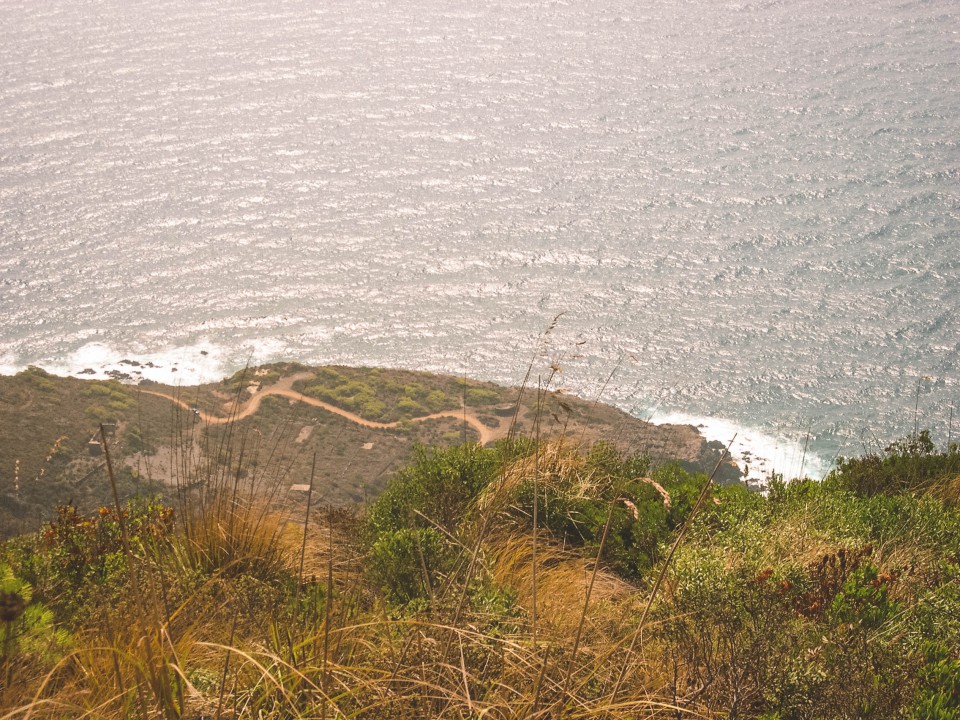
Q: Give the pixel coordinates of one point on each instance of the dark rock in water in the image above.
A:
(204, 352)
(173, 369)
(149, 364)
(130, 362)
(87, 371)
(117, 375)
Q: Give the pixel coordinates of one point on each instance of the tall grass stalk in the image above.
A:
(226, 663)
(701, 498)
(159, 679)
(586, 602)
(541, 341)
(306, 524)
(328, 604)
(536, 492)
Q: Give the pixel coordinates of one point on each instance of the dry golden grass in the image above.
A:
(557, 464)
(562, 580)
(947, 490)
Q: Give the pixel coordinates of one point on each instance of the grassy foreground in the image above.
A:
(527, 579)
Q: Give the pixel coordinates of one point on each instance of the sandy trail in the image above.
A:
(284, 388)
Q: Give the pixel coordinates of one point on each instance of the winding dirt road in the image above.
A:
(284, 388)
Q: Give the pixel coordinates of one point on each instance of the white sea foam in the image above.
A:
(202, 362)
(759, 455)
(8, 364)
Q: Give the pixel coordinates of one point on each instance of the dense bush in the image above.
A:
(81, 557)
(27, 631)
(909, 463)
(407, 562)
(434, 490)
(820, 600)
(576, 496)
(376, 396)
(413, 525)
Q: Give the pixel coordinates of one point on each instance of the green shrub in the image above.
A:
(371, 408)
(438, 484)
(437, 400)
(27, 631)
(742, 634)
(410, 408)
(99, 413)
(906, 464)
(729, 631)
(378, 398)
(405, 562)
(863, 602)
(855, 583)
(39, 379)
(82, 555)
(416, 391)
(409, 527)
(477, 397)
(938, 694)
(577, 495)
(135, 442)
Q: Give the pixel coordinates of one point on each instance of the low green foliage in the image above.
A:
(389, 397)
(842, 584)
(135, 441)
(407, 562)
(112, 393)
(39, 379)
(434, 490)
(413, 526)
(938, 692)
(478, 397)
(574, 504)
(27, 630)
(907, 464)
(81, 556)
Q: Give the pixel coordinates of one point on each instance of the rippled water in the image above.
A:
(753, 207)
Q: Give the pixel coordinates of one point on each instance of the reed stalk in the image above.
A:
(663, 573)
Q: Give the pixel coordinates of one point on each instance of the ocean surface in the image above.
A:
(748, 213)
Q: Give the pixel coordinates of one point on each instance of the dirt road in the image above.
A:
(284, 388)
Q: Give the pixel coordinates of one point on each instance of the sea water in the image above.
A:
(746, 214)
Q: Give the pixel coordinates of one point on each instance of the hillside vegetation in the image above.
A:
(529, 579)
(47, 423)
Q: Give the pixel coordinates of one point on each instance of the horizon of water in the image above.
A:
(747, 212)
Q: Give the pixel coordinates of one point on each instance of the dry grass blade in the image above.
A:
(586, 601)
(306, 524)
(555, 464)
(663, 572)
